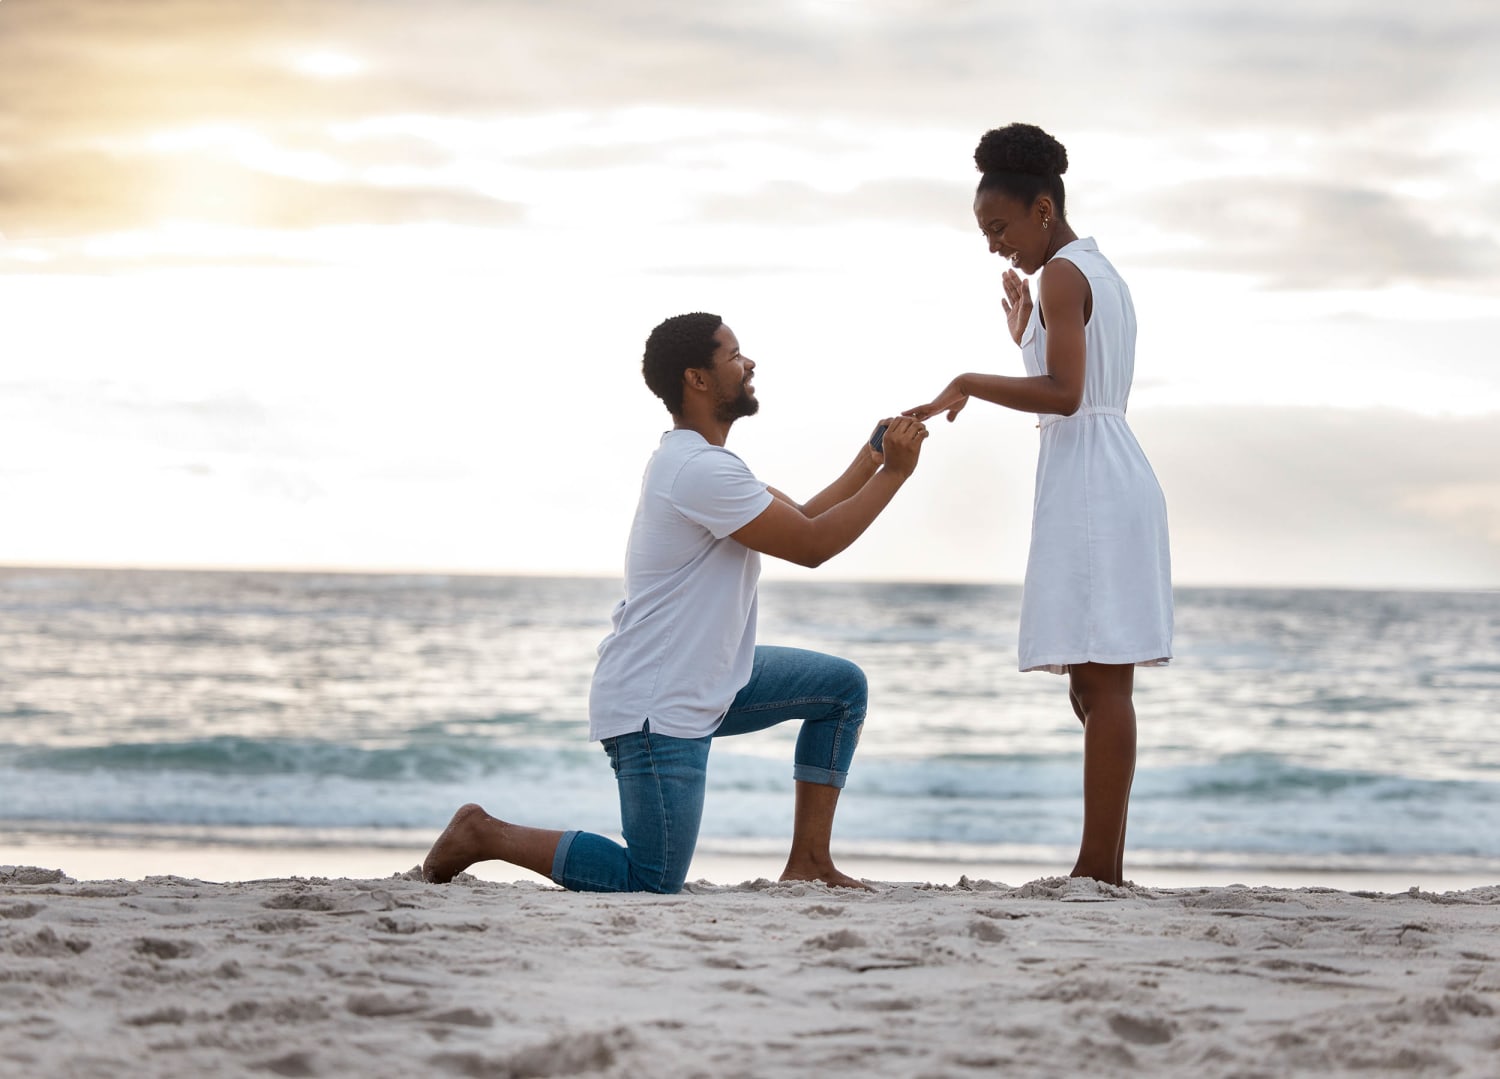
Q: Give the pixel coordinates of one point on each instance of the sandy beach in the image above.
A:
(169, 976)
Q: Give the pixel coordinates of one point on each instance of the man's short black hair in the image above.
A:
(680, 342)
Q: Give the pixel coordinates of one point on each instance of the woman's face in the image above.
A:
(1013, 229)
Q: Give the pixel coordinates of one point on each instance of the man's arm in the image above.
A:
(838, 515)
(864, 465)
(865, 462)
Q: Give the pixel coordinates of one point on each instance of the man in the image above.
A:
(680, 666)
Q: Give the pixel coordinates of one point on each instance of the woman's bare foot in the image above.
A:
(1110, 877)
(460, 846)
(826, 872)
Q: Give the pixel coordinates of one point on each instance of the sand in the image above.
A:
(169, 976)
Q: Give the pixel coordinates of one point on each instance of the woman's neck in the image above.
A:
(1061, 238)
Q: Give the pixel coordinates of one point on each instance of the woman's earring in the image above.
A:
(1046, 221)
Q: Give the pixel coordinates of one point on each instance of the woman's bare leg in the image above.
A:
(1103, 692)
(812, 831)
(475, 836)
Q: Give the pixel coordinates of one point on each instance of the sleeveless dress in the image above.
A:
(1099, 577)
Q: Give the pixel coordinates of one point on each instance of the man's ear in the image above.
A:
(695, 377)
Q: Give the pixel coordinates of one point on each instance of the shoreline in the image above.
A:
(85, 861)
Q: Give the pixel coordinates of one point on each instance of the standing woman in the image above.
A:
(1097, 601)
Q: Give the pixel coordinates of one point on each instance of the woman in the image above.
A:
(1097, 601)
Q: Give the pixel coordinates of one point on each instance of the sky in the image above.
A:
(360, 284)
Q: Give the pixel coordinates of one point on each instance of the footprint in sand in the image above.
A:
(569, 1054)
(1141, 1030)
(47, 944)
(837, 940)
(380, 1006)
(296, 1064)
(300, 901)
(460, 1017)
(987, 931)
(159, 948)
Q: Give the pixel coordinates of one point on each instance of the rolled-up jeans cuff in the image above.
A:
(827, 777)
(560, 858)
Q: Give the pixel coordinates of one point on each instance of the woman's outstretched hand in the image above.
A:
(1017, 303)
(951, 401)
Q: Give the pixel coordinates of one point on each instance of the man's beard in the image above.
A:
(745, 404)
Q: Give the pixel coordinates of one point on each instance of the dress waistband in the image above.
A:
(1086, 410)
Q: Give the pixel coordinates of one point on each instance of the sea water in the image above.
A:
(1295, 730)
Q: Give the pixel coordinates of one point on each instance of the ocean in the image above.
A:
(1297, 730)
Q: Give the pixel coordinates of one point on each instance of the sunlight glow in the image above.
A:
(26, 254)
(185, 239)
(249, 148)
(329, 65)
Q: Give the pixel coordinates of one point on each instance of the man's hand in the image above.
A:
(810, 535)
(902, 445)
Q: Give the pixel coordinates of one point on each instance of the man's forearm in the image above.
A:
(859, 472)
(810, 535)
(845, 521)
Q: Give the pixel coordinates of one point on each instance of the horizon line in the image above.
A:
(602, 575)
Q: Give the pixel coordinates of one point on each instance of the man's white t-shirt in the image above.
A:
(683, 640)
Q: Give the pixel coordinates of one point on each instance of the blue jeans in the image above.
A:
(661, 779)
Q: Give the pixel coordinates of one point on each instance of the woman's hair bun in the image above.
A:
(1023, 148)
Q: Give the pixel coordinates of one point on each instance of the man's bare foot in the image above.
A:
(460, 846)
(826, 872)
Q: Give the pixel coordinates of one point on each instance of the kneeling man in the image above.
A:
(680, 666)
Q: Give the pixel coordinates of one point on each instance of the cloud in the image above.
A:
(550, 155)
(90, 192)
(721, 271)
(1313, 234)
(1471, 508)
(788, 202)
(1288, 64)
(1282, 61)
(87, 85)
(1301, 496)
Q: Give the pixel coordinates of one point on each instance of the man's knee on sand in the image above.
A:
(659, 880)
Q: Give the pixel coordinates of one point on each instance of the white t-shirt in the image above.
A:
(683, 640)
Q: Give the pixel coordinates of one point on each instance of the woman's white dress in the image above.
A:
(1099, 577)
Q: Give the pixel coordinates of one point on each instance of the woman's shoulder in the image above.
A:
(1083, 253)
(1085, 256)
